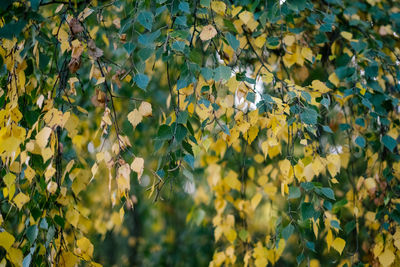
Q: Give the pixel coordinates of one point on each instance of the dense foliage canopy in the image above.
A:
(195, 133)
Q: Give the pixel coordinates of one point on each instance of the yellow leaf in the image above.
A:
(307, 53)
(85, 248)
(9, 179)
(49, 172)
(68, 259)
(72, 217)
(15, 256)
(208, 33)
(386, 258)
(264, 148)
(6, 240)
(100, 80)
(43, 137)
(135, 117)
(334, 79)
(231, 235)
(338, 244)
(21, 199)
(145, 109)
(319, 86)
(333, 164)
(236, 10)
(370, 184)
(347, 35)
(246, 16)
(29, 173)
(260, 41)
(232, 181)
(289, 40)
(52, 187)
(329, 239)
(285, 166)
(218, 7)
(138, 166)
(255, 200)
(252, 134)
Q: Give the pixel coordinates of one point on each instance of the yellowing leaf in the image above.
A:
(307, 53)
(85, 248)
(252, 134)
(285, 166)
(9, 179)
(52, 187)
(370, 184)
(347, 35)
(333, 78)
(333, 164)
(43, 137)
(329, 239)
(319, 86)
(6, 240)
(135, 117)
(386, 258)
(68, 259)
(232, 181)
(15, 256)
(72, 217)
(289, 40)
(29, 173)
(208, 33)
(255, 200)
(138, 166)
(21, 199)
(145, 109)
(218, 7)
(338, 244)
(264, 148)
(246, 16)
(100, 80)
(49, 172)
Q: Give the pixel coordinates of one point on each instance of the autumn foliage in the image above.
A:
(195, 133)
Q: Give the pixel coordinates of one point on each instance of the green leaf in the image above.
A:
(182, 117)
(335, 224)
(178, 46)
(129, 47)
(287, 231)
(207, 73)
(294, 192)
(222, 73)
(327, 129)
(32, 233)
(141, 80)
(307, 211)
(232, 41)
(146, 19)
(164, 132)
(311, 246)
(309, 116)
(181, 133)
(184, 7)
(243, 235)
(148, 39)
(360, 141)
(350, 226)
(190, 160)
(11, 29)
(389, 142)
(328, 192)
(35, 4)
(205, 3)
